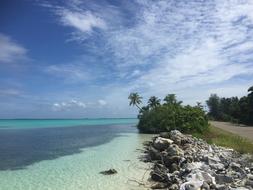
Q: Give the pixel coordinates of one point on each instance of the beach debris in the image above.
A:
(109, 172)
(186, 163)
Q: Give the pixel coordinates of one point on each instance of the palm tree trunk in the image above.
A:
(138, 107)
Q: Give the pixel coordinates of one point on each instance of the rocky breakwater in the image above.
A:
(187, 163)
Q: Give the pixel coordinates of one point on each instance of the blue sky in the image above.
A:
(81, 58)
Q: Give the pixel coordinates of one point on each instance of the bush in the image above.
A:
(171, 116)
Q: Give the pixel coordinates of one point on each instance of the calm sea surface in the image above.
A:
(69, 154)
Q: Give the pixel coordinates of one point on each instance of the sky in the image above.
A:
(82, 58)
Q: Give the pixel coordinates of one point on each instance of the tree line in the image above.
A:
(158, 116)
(234, 109)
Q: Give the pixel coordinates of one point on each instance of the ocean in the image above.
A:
(68, 154)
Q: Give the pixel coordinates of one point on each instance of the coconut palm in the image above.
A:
(171, 99)
(153, 102)
(135, 99)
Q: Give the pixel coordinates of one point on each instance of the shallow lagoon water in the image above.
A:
(80, 169)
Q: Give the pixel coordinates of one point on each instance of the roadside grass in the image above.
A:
(226, 139)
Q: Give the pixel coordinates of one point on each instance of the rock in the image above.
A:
(160, 177)
(159, 173)
(187, 163)
(169, 160)
(251, 170)
(215, 163)
(174, 187)
(158, 186)
(165, 135)
(109, 172)
(222, 187)
(206, 177)
(249, 181)
(174, 167)
(249, 176)
(205, 186)
(174, 133)
(174, 150)
(154, 154)
(238, 168)
(162, 143)
(176, 136)
(159, 168)
(191, 185)
(221, 179)
(235, 166)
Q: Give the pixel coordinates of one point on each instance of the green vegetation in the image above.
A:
(157, 117)
(220, 137)
(232, 109)
(170, 114)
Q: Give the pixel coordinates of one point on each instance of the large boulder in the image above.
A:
(222, 178)
(174, 150)
(176, 136)
(214, 162)
(154, 153)
(162, 143)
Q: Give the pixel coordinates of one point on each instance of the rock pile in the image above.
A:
(187, 163)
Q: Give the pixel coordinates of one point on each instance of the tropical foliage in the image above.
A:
(157, 117)
(233, 109)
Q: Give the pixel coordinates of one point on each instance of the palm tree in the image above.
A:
(153, 102)
(135, 99)
(171, 99)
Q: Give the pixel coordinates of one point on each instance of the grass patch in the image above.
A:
(223, 138)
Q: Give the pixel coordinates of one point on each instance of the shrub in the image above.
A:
(172, 115)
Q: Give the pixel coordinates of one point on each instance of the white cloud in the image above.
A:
(10, 51)
(69, 72)
(185, 45)
(69, 105)
(82, 21)
(173, 46)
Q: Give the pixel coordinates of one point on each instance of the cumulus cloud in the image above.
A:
(10, 50)
(69, 105)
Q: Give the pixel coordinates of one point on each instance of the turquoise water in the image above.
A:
(71, 157)
(42, 123)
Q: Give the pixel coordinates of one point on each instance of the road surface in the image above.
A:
(242, 131)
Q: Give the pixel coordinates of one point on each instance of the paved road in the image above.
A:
(243, 131)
